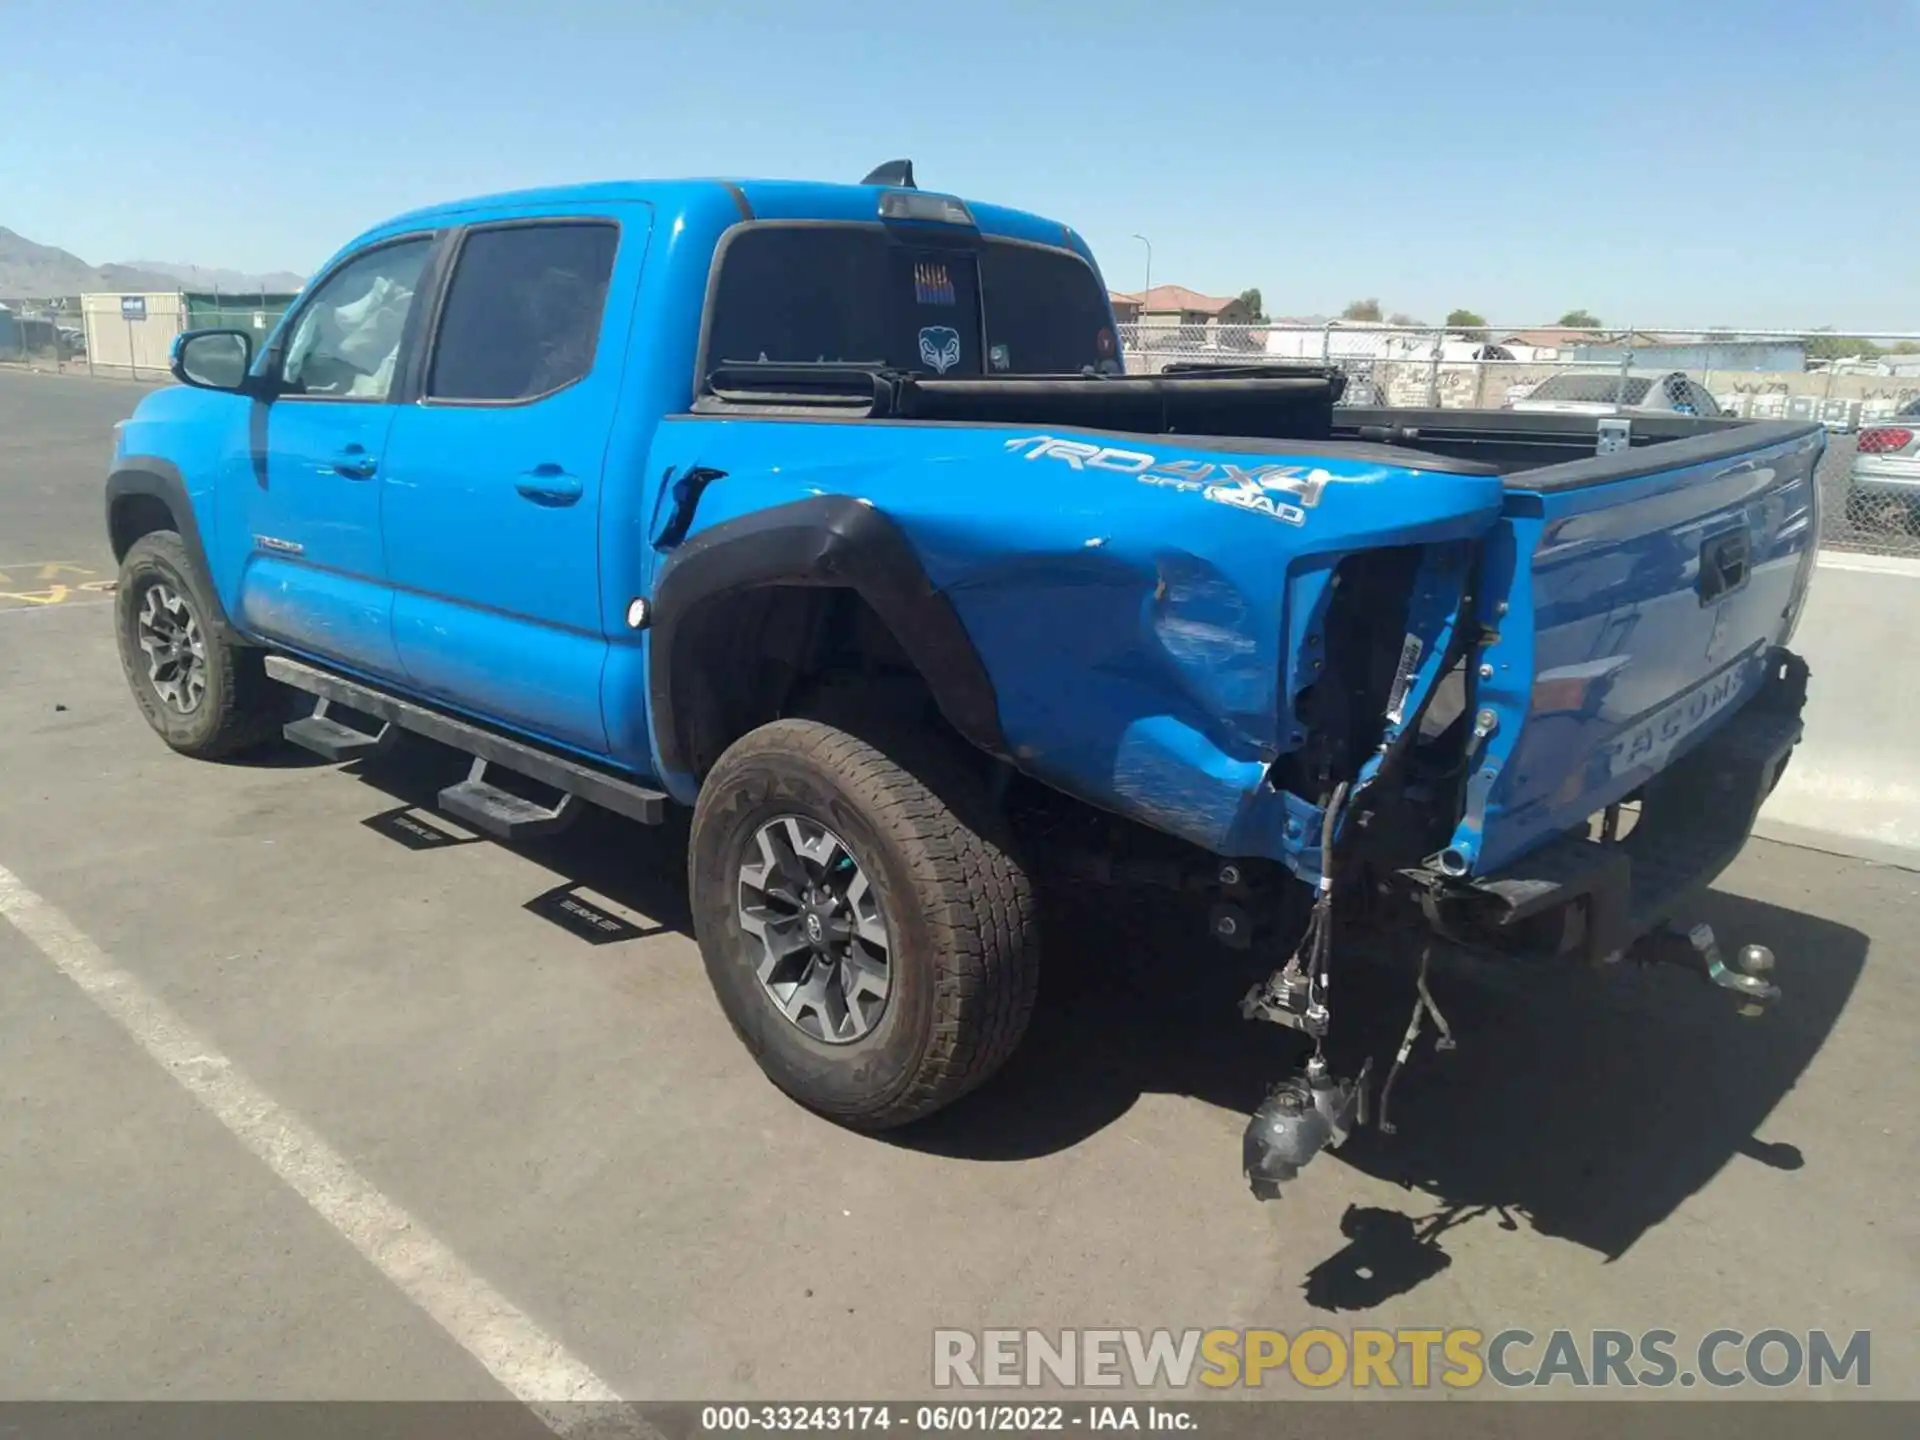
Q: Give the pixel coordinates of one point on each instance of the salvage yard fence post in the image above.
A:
(1626, 363)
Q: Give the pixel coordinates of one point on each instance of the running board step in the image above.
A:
(502, 814)
(569, 776)
(333, 739)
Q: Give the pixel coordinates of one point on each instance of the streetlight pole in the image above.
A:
(1143, 294)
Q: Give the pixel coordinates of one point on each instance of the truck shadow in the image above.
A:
(1586, 1106)
(1591, 1105)
(640, 868)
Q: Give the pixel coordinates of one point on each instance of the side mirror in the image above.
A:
(213, 359)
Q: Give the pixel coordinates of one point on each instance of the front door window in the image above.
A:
(346, 341)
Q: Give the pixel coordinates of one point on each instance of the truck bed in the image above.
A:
(1253, 409)
(1629, 603)
(1542, 452)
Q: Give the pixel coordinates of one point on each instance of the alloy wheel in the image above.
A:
(169, 636)
(818, 941)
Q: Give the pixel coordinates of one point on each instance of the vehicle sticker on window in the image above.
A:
(932, 285)
(999, 359)
(940, 347)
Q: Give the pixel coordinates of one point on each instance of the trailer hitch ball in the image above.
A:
(1746, 977)
(1755, 962)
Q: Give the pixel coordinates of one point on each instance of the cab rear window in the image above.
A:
(859, 295)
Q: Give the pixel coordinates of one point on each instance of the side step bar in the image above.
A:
(484, 806)
(501, 813)
(333, 739)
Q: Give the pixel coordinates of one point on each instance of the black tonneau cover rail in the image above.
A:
(1547, 451)
(1268, 401)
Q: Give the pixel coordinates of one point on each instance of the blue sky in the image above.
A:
(1687, 162)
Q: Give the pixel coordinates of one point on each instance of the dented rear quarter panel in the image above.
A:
(1146, 606)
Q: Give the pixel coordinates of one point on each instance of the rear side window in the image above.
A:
(522, 316)
(853, 295)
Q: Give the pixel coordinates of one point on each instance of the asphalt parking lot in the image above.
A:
(570, 1118)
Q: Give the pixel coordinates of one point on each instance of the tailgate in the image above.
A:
(1636, 598)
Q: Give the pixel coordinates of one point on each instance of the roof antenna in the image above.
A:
(895, 173)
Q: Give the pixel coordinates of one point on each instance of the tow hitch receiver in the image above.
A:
(1696, 948)
(1303, 1115)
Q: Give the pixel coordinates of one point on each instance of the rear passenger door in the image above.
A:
(491, 503)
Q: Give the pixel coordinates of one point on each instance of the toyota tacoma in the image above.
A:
(834, 514)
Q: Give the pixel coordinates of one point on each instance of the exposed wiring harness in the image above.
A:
(1318, 941)
(1423, 1004)
(1296, 995)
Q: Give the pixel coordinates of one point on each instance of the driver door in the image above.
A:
(315, 577)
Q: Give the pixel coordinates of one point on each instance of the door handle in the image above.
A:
(354, 463)
(1724, 564)
(549, 485)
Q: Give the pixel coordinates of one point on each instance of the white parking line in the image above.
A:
(531, 1364)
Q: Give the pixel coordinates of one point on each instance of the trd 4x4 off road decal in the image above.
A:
(1257, 487)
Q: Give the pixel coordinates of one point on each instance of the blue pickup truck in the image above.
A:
(835, 513)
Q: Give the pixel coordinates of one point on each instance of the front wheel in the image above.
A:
(864, 920)
(204, 695)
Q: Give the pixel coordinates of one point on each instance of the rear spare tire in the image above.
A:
(864, 920)
(204, 695)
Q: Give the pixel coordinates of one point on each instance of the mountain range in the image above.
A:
(29, 270)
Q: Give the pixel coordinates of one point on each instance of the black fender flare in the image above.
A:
(151, 476)
(826, 541)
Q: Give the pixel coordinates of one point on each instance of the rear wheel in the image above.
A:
(202, 694)
(863, 919)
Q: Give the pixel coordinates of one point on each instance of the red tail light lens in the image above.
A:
(1882, 439)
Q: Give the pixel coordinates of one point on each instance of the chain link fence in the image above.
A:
(42, 332)
(124, 336)
(1865, 388)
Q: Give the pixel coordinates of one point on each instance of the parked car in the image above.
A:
(816, 509)
(1884, 483)
(40, 338)
(1608, 392)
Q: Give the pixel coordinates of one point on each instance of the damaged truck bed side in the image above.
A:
(849, 531)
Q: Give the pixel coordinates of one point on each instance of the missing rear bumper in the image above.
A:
(1595, 896)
